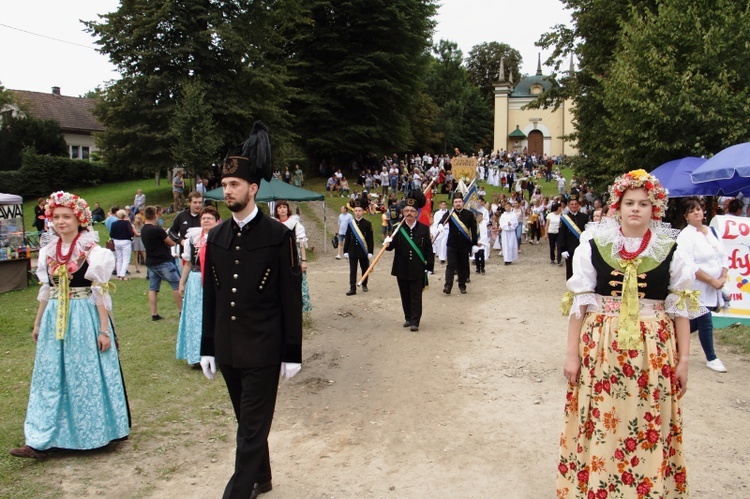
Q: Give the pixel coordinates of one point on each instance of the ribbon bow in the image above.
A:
(61, 272)
(567, 302)
(688, 298)
(108, 287)
(629, 331)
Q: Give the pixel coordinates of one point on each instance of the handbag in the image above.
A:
(111, 245)
(335, 242)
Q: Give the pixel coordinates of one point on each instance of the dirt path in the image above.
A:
(470, 406)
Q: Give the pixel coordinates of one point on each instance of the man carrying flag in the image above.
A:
(358, 246)
(413, 259)
(462, 235)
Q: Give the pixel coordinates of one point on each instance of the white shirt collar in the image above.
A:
(242, 223)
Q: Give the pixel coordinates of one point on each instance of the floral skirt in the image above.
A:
(623, 424)
(306, 303)
(77, 398)
(191, 321)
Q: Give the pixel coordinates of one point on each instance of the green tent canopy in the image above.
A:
(274, 190)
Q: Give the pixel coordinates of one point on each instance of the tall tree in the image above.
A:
(464, 120)
(358, 66)
(233, 46)
(483, 65)
(193, 129)
(25, 132)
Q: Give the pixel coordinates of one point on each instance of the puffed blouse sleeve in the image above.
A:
(101, 265)
(43, 275)
(682, 300)
(300, 234)
(187, 249)
(582, 284)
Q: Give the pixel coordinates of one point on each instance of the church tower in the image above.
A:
(503, 88)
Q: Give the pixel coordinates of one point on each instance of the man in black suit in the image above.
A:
(571, 226)
(412, 260)
(462, 235)
(358, 246)
(252, 311)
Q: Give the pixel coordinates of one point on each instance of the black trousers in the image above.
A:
(554, 248)
(411, 299)
(458, 262)
(479, 260)
(364, 264)
(253, 395)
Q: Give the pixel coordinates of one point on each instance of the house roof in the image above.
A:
(517, 133)
(74, 114)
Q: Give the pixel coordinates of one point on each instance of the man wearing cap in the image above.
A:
(571, 226)
(413, 259)
(252, 311)
(358, 246)
(462, 235)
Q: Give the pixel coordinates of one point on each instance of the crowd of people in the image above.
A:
(636, 286)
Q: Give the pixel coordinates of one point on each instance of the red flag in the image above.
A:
(424, 213)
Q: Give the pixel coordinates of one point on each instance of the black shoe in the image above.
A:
(351, 292)
(462, 290)
(407, 324)
(479, 271)
(482, 271)
(261, 488)
(507, 263)
(364, 288)
(156, 317)
(446, 290)
(415, 328)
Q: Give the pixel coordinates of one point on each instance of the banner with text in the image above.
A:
(735, 234)
(464, 168)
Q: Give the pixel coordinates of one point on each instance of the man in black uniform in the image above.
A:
(252, 311)
(358, 246)
(571, 226)
(413, 259)
(462, 235)
(186, 219)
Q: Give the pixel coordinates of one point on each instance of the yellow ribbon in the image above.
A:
(63, 299)
(688, 298)
(108, 287)
(629, 332)
(567, 302)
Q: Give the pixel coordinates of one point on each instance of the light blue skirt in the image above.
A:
(77, 398)
(191, 321)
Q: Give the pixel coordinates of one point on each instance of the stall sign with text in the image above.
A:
(735, 234)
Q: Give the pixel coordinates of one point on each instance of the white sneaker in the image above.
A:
(716, 365)
(338, 257)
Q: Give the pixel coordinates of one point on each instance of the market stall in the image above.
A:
(15, 261)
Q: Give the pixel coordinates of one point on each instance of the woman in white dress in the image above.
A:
(507, 224)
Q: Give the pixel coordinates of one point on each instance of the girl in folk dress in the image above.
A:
(191, 288)
(627, 357)
(77, 398)
(283, 215)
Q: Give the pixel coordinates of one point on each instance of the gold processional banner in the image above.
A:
(464, 168)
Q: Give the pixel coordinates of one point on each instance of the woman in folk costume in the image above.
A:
(283, 214)
(627, 356)
(191, 287)
(507, 225)
(77, 398)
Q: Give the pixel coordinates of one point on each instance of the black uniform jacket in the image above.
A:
(252, 295)
(406, 262)
(567, 240)
(455, 238)
(352, 246)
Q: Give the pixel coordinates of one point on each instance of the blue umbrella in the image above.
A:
(728, 164)
(675, 176)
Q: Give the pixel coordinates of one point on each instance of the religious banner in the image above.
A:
(464, 169)
(735, 234)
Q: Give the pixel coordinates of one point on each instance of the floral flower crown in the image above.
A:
(637, 179)
(62, 199)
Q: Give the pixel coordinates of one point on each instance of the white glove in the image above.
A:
(289, 369)
(346, 255)
(565, 254)
(208, 364)
(387, 241)
(475, 249)
(369, 256)
(440, 228)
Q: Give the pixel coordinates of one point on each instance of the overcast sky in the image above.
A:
(44, 45)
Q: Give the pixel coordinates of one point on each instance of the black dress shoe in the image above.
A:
(407, 324)
(415, 328)
(463, 290)
(351, 292)
(364, 288)
(447, 290)
(261, 488)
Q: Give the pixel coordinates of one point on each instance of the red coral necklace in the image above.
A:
(629, 255)
(59, 256)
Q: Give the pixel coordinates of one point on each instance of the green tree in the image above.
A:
(358, 67)
(483, 65)
(193, 129)
(27, 133)
(464, 120)
(6, 96)
(233, 46)
(678, 84)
